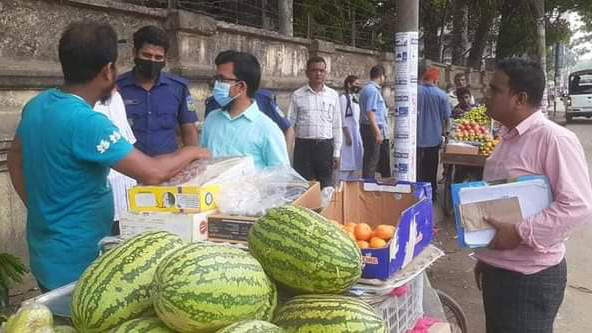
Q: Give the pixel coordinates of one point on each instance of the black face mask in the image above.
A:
(149, 69)
(356, 89)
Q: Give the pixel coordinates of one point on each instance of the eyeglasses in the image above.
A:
(221, 78)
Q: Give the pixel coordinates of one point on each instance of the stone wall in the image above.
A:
(29, 34)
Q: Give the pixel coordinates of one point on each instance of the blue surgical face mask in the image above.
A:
(221, 93)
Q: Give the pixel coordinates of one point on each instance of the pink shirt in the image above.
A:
(538, 146)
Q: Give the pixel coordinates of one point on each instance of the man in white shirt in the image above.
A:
(114, 109)
(316, 116)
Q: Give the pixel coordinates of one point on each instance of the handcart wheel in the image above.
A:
(454, 313)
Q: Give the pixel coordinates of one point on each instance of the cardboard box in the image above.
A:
(506, 200)
(190, 227)
(172, 199)
(462, 149)
(229, 228)
(407, 206)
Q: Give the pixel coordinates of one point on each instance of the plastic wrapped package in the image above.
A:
(32, 318)
(254, 192)
(203, 172)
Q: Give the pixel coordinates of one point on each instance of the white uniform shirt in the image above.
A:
(120, 183)
(316, 115)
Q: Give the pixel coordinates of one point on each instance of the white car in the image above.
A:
(579, 99)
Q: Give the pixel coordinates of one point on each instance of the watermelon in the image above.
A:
(206, 287)
(143, 325)
(118, 286)
(305, 252)
(328, 313)
(251, 326)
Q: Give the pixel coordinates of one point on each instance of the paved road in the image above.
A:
(453, 273)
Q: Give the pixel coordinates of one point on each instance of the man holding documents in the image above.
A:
(523, 273)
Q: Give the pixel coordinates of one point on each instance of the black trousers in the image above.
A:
(384, 163)
(427, 166)
(313, 160)
(518, 303)
(371, 152)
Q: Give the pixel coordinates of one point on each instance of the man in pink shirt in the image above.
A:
(523, 272)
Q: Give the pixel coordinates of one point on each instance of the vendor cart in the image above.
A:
(459, 168)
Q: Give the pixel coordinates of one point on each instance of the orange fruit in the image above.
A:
(348, 228)
(363, 231)
(363, 244)
(377, 243)
(384, 232)
(350, 225)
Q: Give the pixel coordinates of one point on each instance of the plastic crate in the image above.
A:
(402, 312)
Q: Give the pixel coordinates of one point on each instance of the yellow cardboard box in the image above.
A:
(172, 199)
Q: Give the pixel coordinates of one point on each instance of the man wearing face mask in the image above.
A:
(156, 102)
(239, 128)
(61, 155)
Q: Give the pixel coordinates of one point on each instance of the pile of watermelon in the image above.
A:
(155, 283)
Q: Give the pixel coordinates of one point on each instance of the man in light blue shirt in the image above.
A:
(373, 124)
(433, 112)
(239, 128)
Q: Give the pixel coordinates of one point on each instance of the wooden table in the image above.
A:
(451, 163)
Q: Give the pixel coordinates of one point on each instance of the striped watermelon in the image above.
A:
(328, 313)
(118, 286)
(305, 252)
(143, 325)
(205, 287)
(251, 326)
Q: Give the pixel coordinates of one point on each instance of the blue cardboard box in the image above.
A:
(407, 206)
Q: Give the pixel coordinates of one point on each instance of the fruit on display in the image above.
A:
(117, 286)
(31, 318)
(204, 287)
(470, 131)
(366, 237)
(252, 326)
(304, 252)
(143, 325)
(328, 313)
(64, 329)
(487, 147)
(477, 114)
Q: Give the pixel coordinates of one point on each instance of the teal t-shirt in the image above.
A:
(67, 151)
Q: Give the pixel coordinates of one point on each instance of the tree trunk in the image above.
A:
(460, 29)
(540, 54)
(286, 17)
(430, 25)
(480, 40)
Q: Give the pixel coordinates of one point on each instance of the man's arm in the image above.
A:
(290, 135)
(154, 170)
(371, 107)
(189, 134)
(15, 169)
(567, 170)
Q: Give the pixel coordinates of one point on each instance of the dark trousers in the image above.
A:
(518, 303)
(313, 160)
(427, 166)
(371, 152)
(384, 163)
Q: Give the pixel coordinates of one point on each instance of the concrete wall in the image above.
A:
(29, 34)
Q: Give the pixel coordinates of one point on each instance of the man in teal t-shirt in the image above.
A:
(62, 153)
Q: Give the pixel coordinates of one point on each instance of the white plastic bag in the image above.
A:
(32, 318)
(252, 193)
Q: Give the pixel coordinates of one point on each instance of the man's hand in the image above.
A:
(199, 153)
(478, 271)
(336, 161)
(506, 235)
(379, 138)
